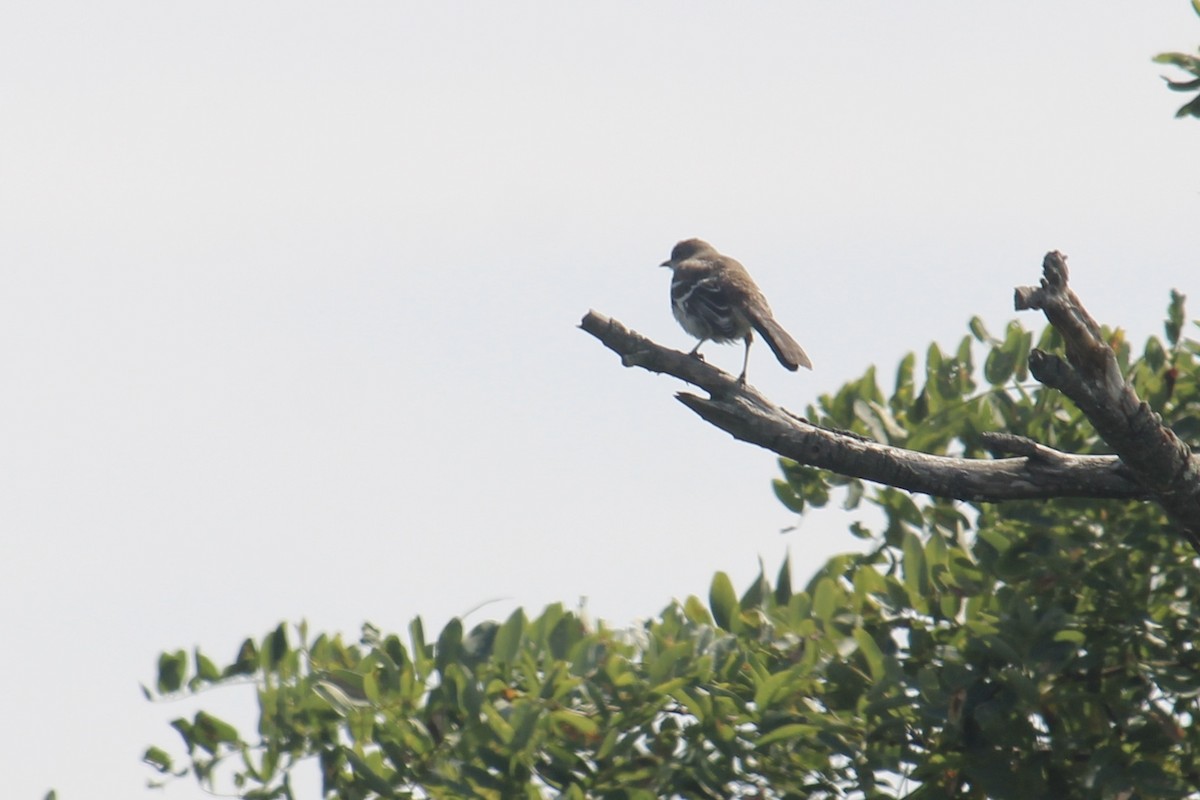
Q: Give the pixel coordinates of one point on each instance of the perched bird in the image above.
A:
(714, 297)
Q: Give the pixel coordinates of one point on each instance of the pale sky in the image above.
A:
(289, 295)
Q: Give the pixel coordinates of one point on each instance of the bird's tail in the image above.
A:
(785, 348)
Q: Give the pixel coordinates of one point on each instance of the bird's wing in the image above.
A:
(708, 297)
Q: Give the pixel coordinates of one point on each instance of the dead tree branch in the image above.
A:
(1091, 377)
(745, 414)
(1150, 462)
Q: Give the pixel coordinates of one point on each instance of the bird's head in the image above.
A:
(688, 248)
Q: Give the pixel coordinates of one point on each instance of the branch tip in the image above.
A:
(1054, 267)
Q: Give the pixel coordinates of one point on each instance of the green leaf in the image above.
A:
(772, 687)
(184, 728)
(364, 771)
(578, 723)
(275, 647)
(524, 721)
(854, 495)
(1184, 86)
(421, 651)
(1189, 109)
(905, 389)
(246, 661)
(723, 601)
(787, 495)
(661, 663)
(563, 635)
(508, 638)
(206, 670)
(370, 687)
(171, 669)
(1154, 357)
(209, 732)
(449, 645)
(998, 367)
(783, 582)
(1175, 314)
(759, 589)
(871, 652)
(1181, 60)
(698, 703)
(825, 598)
(159, 759)
(795, 730)
(695, 610)
(931, 392)
(860, 531)
(496, 721)
(809, 486)
(916, 574)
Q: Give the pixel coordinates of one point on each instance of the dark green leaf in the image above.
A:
(1175, 314)
(783, 582)
(759, 589)
(171, 670)
(246, 661)
(275, 647)
(787, 495)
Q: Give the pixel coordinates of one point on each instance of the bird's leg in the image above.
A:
(745, 360)
(696, 350)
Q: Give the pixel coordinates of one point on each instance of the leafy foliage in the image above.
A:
(1001, 651)
(1187, 63)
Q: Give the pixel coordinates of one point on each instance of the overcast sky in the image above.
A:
(289, 291)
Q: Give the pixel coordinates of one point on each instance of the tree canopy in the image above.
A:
(1005, 650)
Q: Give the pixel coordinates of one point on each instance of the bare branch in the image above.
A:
(747, 415)
(1092, 379)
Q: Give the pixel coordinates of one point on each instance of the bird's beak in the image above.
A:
(666, 263)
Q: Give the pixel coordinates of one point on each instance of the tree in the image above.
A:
(1024, 648)
(1035, 638)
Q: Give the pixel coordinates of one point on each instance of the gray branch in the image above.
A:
(1038, 472)
(1091, 377)
(1151, 463)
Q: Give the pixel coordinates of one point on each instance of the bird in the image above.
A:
(714, 298)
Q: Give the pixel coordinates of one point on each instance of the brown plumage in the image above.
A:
(714, 297)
